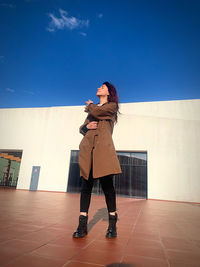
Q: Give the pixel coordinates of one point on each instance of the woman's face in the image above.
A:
(102, 91)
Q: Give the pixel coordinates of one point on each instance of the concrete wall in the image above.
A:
(168, 130)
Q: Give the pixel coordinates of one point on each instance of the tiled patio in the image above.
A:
(36, 230)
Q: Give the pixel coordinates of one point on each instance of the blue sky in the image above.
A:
(57, 53)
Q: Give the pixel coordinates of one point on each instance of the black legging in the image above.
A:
(108, 189)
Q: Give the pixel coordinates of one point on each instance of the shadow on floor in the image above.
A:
(101, 214)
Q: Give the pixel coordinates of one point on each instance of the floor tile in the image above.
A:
(19, 246)
(146, 251)
(185, 257)
(33, 260)
(178, 244)
(137, 261)
(98, 257)
(7, 255)
(57, 251)
(145, 242)
(36, 230)
(82, 264)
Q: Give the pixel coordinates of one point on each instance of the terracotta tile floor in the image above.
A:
(36, 231)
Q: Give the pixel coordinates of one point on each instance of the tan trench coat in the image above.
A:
(97, 145)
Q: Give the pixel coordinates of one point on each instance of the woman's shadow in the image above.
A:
(101, 214)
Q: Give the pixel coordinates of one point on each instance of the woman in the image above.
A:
(97, 156)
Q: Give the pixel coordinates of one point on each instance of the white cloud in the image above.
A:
(29, 92)
(7, 5)
(50, 29)
(100, 15)
(10, 90)
(64, 21)
(83, 33)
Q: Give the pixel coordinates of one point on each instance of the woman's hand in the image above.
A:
(92, 125)
(88, 102)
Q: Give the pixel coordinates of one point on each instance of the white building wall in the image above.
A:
(168, 130)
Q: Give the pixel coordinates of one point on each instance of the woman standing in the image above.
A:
(97, 156)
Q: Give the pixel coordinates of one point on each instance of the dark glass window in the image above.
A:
(132, 182)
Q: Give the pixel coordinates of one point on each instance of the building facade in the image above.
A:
(164, 136)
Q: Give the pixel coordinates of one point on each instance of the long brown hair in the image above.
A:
(113, 97)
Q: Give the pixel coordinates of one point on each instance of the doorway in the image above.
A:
(131, 183)
(10, 161)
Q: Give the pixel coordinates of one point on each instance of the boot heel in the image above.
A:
(112, 229)
(81, 230)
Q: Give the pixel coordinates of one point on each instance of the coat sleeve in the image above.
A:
(83, 129)
(102, 112)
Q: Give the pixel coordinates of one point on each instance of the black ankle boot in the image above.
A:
(112, 229)
(81, 231)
